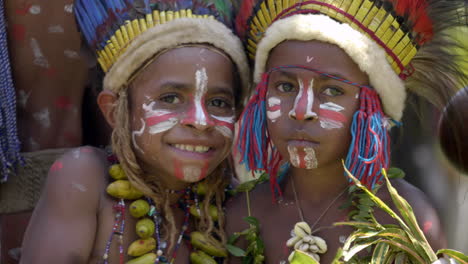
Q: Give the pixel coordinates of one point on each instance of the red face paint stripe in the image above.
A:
(156, 119)
(274, 108)
(301, 107)
(333, 115)
(301, 153)
(225, 124)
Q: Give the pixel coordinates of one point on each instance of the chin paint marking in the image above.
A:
(158, 121)
(190, 173)
(302, 157)
(304, 101)
(274, 108)
(330, 116)
(138, 133)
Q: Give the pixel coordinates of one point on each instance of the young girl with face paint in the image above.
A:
(175, 80)
(331, 81)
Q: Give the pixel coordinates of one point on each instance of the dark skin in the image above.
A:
(317, 187)
(74, 217)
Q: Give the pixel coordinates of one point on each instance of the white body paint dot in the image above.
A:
(79, 187)
(23, 97)
(39, 58)
(56, 29)
(43, 117)
(68, 8)
(35, 9)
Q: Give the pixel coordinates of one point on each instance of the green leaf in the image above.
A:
(235, 251)
(246, 186)
(252, 221)
(401, 258)
(339, 254)
(457, 255)
(348, 254)
(380, 251)
(395, 173)
(410, 251)
(301, 257)
(233, 238)
(407, 213)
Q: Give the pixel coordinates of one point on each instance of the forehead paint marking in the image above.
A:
(71, 54)
(274, 108)
(43, 117)
(309, 59)
(330, 116)
(138, 133)
(39, 58)
(35, 9)
(56, 29)
(201, 79)
(68, 8)
(225, 125)
(58, 165)
(23, 98)
(304, 101)
(79, 187)
(158, 120)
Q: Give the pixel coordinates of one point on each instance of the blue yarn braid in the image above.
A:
(9, 143)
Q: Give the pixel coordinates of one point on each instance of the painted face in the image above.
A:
(182, 109)
(309, 115)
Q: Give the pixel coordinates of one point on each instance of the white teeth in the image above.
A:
(193, 148)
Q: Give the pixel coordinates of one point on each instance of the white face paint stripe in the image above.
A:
(163, 126)
(227, 119)
(332, 106)
(310, 158)
(309, 101)
(225, 131)
(201, 79)
(274, 111)
(138, 133)
(330, 124)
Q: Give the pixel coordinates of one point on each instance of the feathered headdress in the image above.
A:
(400, 44)
(125, 34)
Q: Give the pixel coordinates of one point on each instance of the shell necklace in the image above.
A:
(302, 240)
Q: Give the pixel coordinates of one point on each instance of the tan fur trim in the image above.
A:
(370, 57)
(170, 35)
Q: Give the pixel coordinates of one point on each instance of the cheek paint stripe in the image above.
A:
(332, 115)
(272, 101)
(138, 133)
(274, 108)
(156, 119)
(332, 106)
(163, 126)
(225, 131)
(330, 124)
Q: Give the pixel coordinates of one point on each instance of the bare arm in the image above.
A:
(426, 215)
(63, 226)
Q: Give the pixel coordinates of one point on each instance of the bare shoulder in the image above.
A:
(425, 212)
(69, 204)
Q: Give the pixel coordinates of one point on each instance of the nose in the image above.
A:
(303, 103)
(197, 117)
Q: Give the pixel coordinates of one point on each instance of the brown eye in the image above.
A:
(219, 102)
(285, 87)
(170, 99)
(332, 91)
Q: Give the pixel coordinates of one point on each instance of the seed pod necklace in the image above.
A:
(302, 239)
